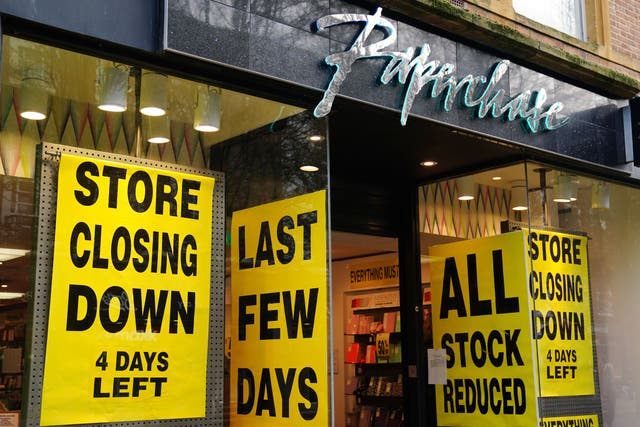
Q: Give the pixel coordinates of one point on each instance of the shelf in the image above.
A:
(365, 398)
(393, 365)
(374, 366)
(370, 334)
(386, 308)
(373, 311)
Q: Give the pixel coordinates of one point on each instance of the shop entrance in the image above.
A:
(542, 204)
(380, 206)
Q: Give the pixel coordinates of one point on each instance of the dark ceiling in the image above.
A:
(370, 145)
(375, 161)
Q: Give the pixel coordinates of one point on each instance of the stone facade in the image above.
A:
(608, 61)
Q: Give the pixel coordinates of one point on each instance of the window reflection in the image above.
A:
(563, 15)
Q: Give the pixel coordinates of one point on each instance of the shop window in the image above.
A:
(579, 249)
(563, 15)
(268, 151)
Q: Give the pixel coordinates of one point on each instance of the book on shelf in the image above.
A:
(370, 356)
(356, 353)
(351, 420)
(8, 334)
(396, 418)
(395, 352)
(389, 321)
(352, 385)
(11, 360)
(380, 417)
(372, 386)
(397, 328)
(380, 386)
(366, 412)
(351, 405)
(364, 325)
(353, 324)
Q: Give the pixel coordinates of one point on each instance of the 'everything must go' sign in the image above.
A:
(129, 314)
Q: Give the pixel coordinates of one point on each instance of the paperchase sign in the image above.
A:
(414, 69)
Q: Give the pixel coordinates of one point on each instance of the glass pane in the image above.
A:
(588, 331)
(563, 15)
(268, 150)
(579, 249)
(461, 218)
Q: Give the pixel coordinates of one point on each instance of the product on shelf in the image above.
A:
(356, 353)
(352, 385)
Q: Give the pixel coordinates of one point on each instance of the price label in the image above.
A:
(382, 345)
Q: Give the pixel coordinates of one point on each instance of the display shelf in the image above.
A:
(373, 355)
(381, 365)
(367, 399)
(368, 334)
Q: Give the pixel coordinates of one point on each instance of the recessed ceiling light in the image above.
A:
(315, 138)
(309, 168)
(496, 178)
(4, 285)
(428, 163)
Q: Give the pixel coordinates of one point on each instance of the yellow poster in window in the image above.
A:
(279, 370)
(481, 318)
(561, 312)
(129, 302)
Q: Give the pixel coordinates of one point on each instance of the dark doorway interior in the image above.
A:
(374, 159)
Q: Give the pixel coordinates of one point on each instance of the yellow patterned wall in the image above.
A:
(442, 213)
(82, 124)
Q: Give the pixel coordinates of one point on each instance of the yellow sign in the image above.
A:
(481, 319)
(561, 313)
(382, 346)
(372, 275)
(577, 421)
(279, 338)
(129, 313)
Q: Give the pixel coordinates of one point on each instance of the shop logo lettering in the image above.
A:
(415, 70)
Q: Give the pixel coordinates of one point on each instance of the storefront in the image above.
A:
(302, 214)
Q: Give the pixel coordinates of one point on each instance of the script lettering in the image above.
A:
(415, 70)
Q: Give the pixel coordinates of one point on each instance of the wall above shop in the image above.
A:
(132, 23)
(601, 61)
(281, 40)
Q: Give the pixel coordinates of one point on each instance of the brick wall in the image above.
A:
(625, 27)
